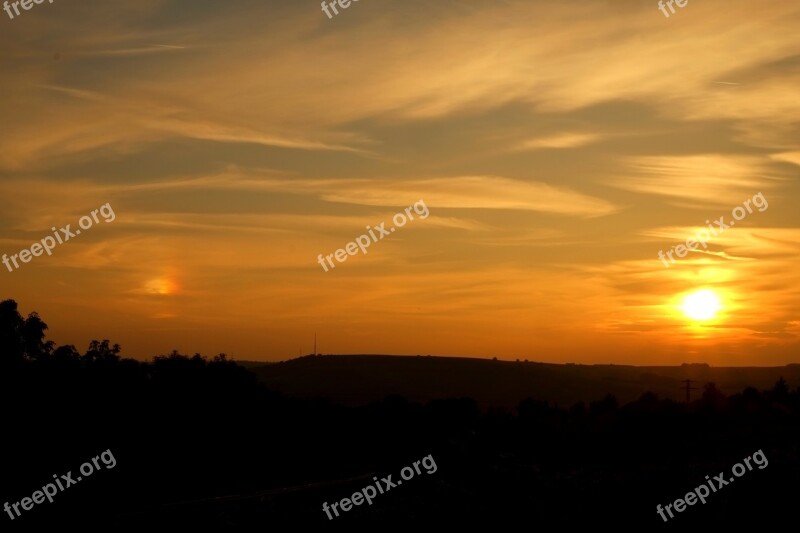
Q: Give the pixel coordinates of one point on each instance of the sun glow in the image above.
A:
(701, 305)
(160, 286)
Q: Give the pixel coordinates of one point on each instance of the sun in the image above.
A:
(701, 305)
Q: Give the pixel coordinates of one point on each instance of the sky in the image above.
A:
(557, 146)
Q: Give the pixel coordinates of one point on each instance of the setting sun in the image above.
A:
(701, 305)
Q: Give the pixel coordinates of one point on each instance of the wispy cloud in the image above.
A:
(704, 179)
(562, 140)
(473, 192)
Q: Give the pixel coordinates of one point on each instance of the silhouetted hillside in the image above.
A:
(360, 379)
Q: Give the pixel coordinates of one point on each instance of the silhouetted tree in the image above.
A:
(780, 392)
(532, 409)
(101, 352)
(33, 334)
(606, 405)
(711, 395)
(11, 323)
(649, 398)
(578, 410)
(749, 400)
(66, 354)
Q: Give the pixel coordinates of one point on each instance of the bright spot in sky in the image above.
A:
(701, 305)
(160, 286)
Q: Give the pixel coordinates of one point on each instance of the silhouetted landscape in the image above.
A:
(207, 443)
(359, 379)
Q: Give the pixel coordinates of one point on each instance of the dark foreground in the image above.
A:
(203, 445)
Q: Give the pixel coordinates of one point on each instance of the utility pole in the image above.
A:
(315, 343)
(688, 387)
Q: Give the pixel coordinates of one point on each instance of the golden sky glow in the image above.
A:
(558, 145)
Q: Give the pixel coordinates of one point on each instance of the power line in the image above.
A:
(688, 387)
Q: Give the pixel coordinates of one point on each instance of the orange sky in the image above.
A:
(558, 146)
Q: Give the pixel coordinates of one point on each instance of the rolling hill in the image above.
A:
(360, 379)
